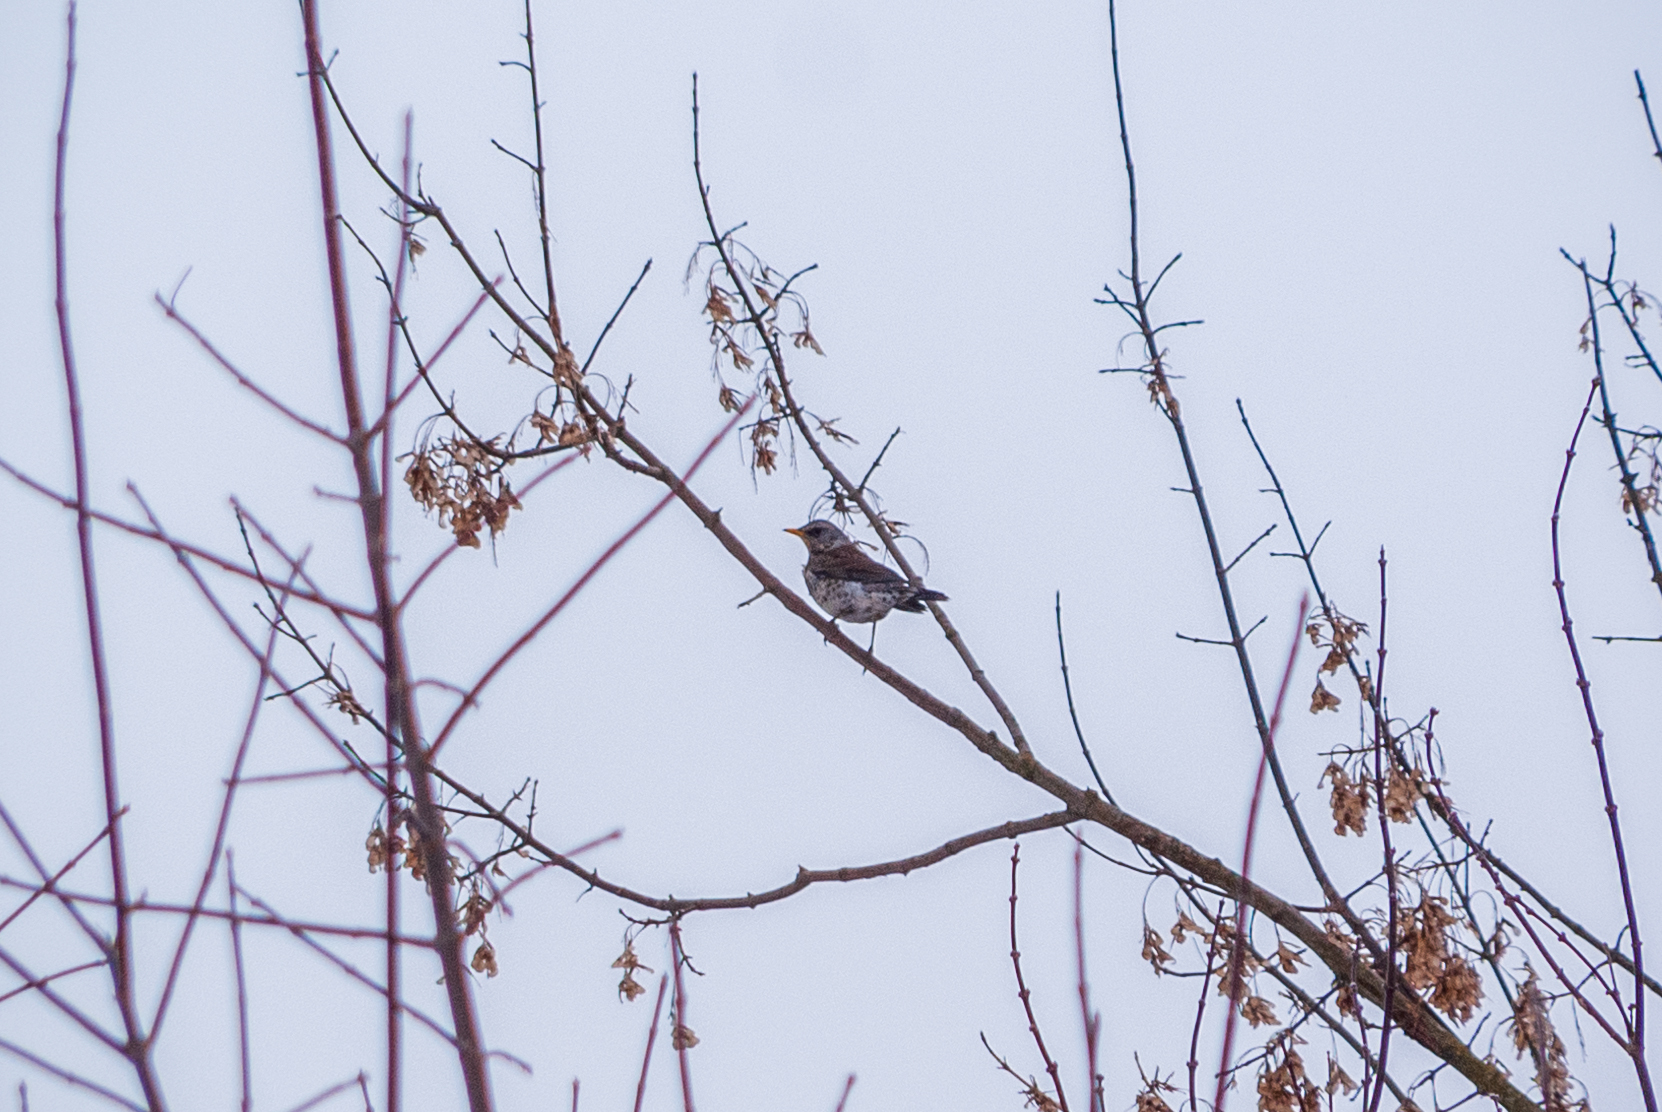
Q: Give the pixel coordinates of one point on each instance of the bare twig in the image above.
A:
(137, 1045)
(1024, 995)
(400, 701)
(651, 1037)
(681, 1035)
(1073, 716)
(1635, 1045)
(1237, 956)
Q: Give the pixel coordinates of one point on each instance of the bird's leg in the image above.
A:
(864, 667)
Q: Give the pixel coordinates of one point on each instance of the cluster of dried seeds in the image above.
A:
(1533, 1032)
(629, 988)
(462, 481)
(747, 328)
(1283, 1085)
(1349, 799)
(1336, 633)
(1429, 962)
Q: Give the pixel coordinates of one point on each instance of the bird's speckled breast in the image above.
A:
(851, 601)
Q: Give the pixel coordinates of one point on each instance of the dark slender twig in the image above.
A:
(49, 882)
(1635, 501)
(1024, 995)
(1090, 1020)
(1138, 309)
(1392, 899)
(541, 172)
(327, 1093)
(651, 1037)
(1237, 957)
(137, 1045)
(877, 460)
(848, 1087)
(1073, 716)
(67, 1076)
(245, 1071)
(392, 793)
(171, 310)
(212, 865)
(1231, 565)
(681, 1036)
(29, 986)
(1200, 1016)
(400, 701)
(1655, 142)
(616, 313)
(1636, 1023)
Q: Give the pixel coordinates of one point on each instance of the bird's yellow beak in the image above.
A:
(798, 533)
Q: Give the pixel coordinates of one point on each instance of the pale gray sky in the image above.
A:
(1370, 200)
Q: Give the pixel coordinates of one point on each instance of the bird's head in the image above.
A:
(821, 536)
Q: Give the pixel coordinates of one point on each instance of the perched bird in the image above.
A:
(850, 585)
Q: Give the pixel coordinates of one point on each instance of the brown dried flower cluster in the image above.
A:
(1532, 1031)
(343, 700)
(567, 430)
(1338, 634)
(1154, 950)
(1151, 1102)
(1034, 1097)
(1338, 1080)
(1349, 799)
(1646, 445)
(383, 851)
(629, 988)
(1256, 1010)
(1151, 1099)
(746, 325)
(1350, 1005)
(1283, 1086)
(462, 481)
(1428, 963)
(1403, 792)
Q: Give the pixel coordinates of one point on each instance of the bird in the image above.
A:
(851, 586)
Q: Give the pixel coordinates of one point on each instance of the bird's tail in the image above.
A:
(914, 602)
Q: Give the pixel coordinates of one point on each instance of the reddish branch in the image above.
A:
(1237, 956)
(681, 1035)
(651, 1037)
(400, 701)
(136, 1047)
(1090, 1020)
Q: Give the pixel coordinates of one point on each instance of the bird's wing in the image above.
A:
(848, 562)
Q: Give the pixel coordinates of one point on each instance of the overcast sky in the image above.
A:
(1369, 200)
